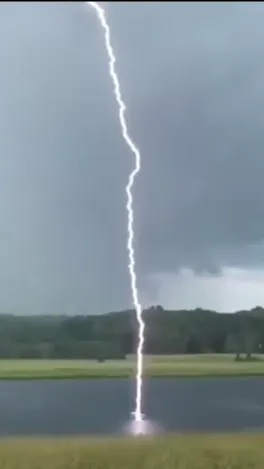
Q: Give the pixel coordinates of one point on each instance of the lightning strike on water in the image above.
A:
(137, 414)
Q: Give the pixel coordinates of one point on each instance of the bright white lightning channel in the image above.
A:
(138, 415)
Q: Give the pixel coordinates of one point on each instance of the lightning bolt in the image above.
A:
(138, 415)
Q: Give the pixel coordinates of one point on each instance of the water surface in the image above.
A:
(102, 406)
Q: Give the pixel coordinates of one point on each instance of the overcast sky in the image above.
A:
(192, 77)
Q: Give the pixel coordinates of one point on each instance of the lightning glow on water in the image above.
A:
(137, 414)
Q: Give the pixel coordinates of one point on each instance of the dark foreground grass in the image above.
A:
(169, 452)
(166, 366)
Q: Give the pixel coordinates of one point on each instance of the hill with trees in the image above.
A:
(113, 335)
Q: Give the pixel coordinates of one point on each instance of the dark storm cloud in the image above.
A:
(199, 119)
(192, 77)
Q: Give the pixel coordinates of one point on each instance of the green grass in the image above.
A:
(178, 365)
(169, 452)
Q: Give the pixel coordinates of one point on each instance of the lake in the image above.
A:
(103, 406)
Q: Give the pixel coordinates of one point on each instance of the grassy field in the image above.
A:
(170, 452)
(178, 365)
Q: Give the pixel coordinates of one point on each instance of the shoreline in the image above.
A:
(92, 376)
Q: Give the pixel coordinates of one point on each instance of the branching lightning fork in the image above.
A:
(138, 415)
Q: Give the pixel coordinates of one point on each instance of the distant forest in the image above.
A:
(113, 335)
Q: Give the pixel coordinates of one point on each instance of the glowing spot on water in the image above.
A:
(143, 427)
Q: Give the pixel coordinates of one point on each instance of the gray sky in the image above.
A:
(192, 77)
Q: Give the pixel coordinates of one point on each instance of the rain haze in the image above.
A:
(192, 77)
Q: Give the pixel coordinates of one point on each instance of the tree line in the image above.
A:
(113, 335)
